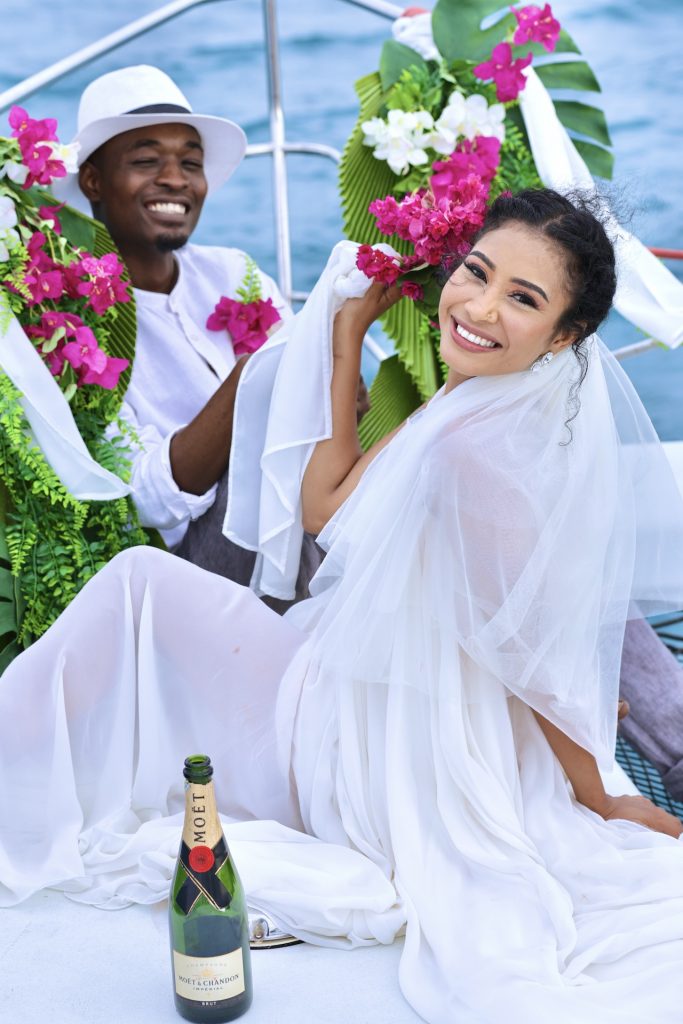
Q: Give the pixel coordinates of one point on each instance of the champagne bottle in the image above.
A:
(207, 912)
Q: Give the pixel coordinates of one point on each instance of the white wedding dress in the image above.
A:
(376, 749)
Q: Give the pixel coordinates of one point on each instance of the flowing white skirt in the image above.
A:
(453, 819)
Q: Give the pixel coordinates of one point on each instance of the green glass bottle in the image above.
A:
(207, 912)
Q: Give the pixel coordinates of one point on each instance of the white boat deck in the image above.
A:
(66, 963)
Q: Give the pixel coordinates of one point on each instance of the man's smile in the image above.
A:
(168, 207)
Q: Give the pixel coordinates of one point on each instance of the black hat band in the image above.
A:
(160, 108)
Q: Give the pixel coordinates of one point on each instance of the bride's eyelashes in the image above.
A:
(475, 270)
(478, 271)
(525, 299)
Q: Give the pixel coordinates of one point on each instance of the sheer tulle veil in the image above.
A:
(504, 537)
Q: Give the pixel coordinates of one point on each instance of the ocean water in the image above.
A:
(216, 54)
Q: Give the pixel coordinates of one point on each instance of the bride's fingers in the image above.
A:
(642, 811)
(386, 295)
(382, 292)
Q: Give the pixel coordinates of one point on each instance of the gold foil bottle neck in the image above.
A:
(202, 825)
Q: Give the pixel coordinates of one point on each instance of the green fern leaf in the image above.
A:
(393, 397)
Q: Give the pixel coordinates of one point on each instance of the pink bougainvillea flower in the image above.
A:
(41, 130)
(250, 325)
(49, 213)
(55, 361)
(43, 286)
(18, 121)
(79, 347)
(43, 277)
(50, 321)
(100, 281)
(505, 72)
(107, 378)
(55, 358)
(72, 280)
(37, 257)
(481, 156)
(377, 265)
(38, 157)
(36, 138)
(536, 26)
(222, 314)
(84, 351)
(411, 290)
(409, 263)
(247, 323)
(436, 226)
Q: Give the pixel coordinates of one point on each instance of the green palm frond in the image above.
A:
(123, 331)
(393, 397)
(362, 178)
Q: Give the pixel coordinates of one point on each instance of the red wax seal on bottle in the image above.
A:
(201, 858)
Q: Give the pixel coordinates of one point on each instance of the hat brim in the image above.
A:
(224, 145)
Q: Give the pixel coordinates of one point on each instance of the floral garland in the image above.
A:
(76, 308)
(249, 317)
(439, 137)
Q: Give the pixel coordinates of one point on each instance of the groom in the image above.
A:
(147, 163)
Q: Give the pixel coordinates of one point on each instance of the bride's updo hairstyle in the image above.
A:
(570, 222)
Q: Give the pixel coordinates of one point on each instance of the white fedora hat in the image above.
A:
(139, 96)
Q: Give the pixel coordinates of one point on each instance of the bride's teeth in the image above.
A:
(474, 338)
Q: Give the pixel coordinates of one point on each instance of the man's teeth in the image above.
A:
(474, 338)
(167, 208)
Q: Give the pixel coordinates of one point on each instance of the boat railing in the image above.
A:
(277, 146)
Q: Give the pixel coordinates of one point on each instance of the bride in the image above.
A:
(441, 714)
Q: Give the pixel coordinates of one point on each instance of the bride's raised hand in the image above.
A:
(644, 812)
(357, 315)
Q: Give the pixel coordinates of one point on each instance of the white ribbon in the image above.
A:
(52, 423)
(647, 293)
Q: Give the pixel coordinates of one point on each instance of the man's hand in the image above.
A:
(642, 811)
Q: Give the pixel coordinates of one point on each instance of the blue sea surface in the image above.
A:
(216, 54)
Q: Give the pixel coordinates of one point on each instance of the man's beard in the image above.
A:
(168, 243)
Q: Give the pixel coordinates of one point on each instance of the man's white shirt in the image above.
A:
(179, 364)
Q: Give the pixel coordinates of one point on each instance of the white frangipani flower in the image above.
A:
(8, 236)
(401, 139)
(67, 153)
(450, 125)
(466, 118)
(482, 119)
(400, 154)
(8, 213)
(423, 120)
(14, 171)
(415, 31)
(374, 131)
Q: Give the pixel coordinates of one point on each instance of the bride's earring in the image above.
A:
(541, 362)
